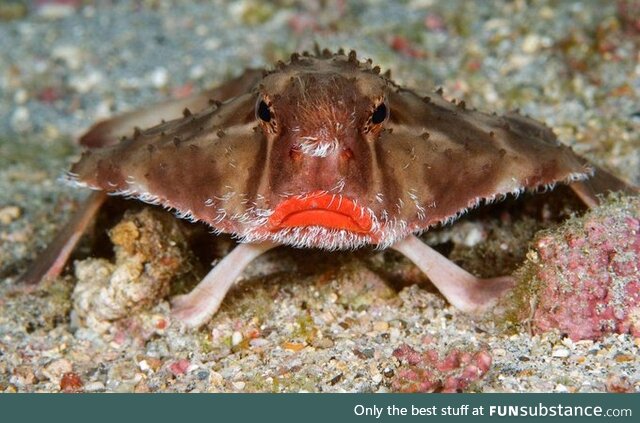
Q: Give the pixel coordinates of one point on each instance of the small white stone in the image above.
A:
(103, 110)
(499, 352)
(52, 10)
(202, 30)
(21, 120)
(211, 44)
(531, 43)
(197, 72)
(69, 54)
(21, 96)
(94, 387)
(470, 234)
(490, 94)
(394, 334)
(517, 62)
(159, 77)
(258, 342)
(377, 378)
(85, 82)
(239, 385)
(236, 338)
(561, 353)
(561, 388)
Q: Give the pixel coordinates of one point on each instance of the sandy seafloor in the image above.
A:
(301, 321)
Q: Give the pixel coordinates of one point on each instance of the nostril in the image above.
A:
(295, 154)
(346, 154)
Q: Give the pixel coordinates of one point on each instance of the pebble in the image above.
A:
(21, 120)
(394, 334)
(94, 387)
(323, 343)
(55, 10)
(623, 358)
(258, 342)
(211, 44)
(22, 377)
(8, 214)
(293, 346)
(469, 234)
(71, 382)
(84, 83)
(56, 369)
(560, 353)
(618, 383)
(179, 367)
(154, 363)
(531, 43)
(69, 54)
(216, 378)
(197, 72)
(547, 13)
(239, 386)
(144, 366)
(124, 387)
(377, 378)
(236, 338)
(159, 77)
(380, 326)
(499, 352)
(21, 96)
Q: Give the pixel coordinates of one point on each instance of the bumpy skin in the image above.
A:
(426, 162)
(110, 132)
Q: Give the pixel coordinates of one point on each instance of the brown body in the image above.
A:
(425, 163)
(326, 152)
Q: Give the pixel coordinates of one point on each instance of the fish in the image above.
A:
(323, 151)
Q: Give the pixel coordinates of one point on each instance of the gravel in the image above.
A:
(301, 321)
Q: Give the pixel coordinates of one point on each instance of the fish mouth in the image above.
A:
(321, 209)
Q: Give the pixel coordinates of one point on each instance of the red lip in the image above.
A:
(316, 209)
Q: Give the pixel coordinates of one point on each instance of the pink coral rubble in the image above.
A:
(427, 372)
(588, 272)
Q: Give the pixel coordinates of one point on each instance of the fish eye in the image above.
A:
(380, 114)
(263, 112)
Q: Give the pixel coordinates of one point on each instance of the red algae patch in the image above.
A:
(585, 275)
(430, 371)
